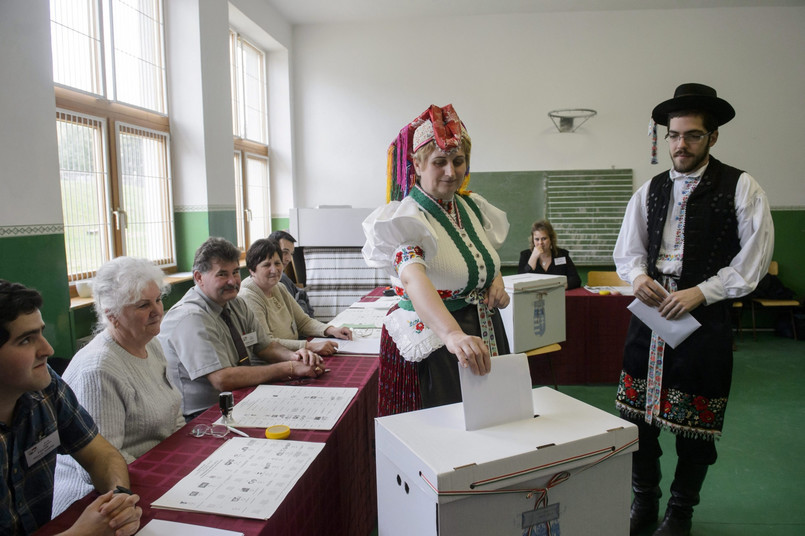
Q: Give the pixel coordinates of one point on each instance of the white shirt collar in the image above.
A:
(695, 175)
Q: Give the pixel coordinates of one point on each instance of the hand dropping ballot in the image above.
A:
(503, 395)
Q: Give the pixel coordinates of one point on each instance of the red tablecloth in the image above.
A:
(593, 351)
(336, 495)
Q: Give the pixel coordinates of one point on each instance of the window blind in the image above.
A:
(85, 203)
(146, 194)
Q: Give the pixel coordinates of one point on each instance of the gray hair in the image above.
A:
(214, 248)
(121, 282)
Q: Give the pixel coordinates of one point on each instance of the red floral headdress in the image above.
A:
(439, 124)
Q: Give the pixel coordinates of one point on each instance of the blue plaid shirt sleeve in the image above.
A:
(26, 495)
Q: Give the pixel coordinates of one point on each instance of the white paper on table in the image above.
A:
(383, 302)
(625, 291)
(672, 332)
(357, 346)
(160, 527)
(299, 407)
(356, 318)
(245, 477)
(503, 395)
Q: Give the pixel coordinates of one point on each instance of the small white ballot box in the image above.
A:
(570, 464)
(535, 316)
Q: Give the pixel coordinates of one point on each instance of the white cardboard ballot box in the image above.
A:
(434, 477)
(535, 316)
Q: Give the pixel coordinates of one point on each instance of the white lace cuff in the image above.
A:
(415, 341)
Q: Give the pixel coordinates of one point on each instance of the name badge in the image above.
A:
(250, 339)
(560, 260)
(42, 448)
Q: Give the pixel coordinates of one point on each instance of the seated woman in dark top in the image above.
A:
(545, 257)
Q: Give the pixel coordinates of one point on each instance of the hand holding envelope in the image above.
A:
(673, 331)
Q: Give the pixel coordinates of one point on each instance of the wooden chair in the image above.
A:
(605, 279)
(774, 269)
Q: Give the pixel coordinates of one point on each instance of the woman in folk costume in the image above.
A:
(437, 242)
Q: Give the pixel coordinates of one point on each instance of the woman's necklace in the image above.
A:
(451, 210)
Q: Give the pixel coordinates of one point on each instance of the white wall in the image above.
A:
(356, 85)
(29, 166)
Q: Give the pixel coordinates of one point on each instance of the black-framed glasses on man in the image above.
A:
(691, 138)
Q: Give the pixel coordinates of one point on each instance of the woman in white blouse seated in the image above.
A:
(120, 376)
(437, 242)
(274, 306)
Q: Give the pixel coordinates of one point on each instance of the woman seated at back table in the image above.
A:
(274, 306)
(545, 257)
(120, 376)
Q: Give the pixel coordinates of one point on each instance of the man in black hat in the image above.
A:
(693, 238)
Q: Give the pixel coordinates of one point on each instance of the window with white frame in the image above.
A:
(113, 132)
(250, 131)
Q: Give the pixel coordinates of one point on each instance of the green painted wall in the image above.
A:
(223, 223)
(39, 262)
(789, 235)
(192, 228)
(280, 224)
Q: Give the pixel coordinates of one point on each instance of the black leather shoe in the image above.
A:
(641, 520)
(672, 526)
(646, 487)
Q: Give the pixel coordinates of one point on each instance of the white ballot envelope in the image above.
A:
(672, 332)
(503, 395)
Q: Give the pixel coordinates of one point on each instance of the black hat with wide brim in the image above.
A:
(694, 97)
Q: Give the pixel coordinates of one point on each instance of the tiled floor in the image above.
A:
(757, 487)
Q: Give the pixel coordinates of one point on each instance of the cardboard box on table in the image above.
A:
(434, 477)
(535, 316)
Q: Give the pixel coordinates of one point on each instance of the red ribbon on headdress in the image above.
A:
(447, 134)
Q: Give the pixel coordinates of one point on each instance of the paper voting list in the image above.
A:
(503, 395)
(243, 478)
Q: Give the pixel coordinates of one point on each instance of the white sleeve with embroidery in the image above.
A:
(399, 223)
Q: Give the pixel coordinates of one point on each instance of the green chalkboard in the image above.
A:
(522, 195)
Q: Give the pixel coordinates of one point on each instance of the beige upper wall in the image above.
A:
(29, 165)
(357, 84)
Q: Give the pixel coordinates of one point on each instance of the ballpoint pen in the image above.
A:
(236, 431)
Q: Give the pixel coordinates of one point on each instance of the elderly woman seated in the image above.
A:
(273, 305)
(120, 376)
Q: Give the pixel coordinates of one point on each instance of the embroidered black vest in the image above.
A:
(711, 228)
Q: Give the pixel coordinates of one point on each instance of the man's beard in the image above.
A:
(691, 165)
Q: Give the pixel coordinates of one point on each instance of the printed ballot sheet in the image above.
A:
(245, 477)
(383, 303)
(305, 408)
(359, 318)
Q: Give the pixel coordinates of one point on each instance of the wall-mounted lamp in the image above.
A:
(568, 120)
